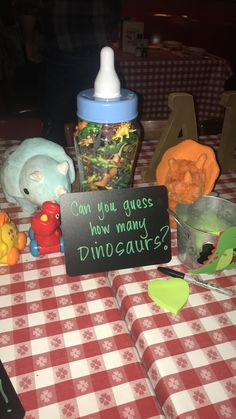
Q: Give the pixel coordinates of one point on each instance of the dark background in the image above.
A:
(210, 24)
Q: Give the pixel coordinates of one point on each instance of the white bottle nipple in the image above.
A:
(107, 83)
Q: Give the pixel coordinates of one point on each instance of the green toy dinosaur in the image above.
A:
(89, 129)
(223, 256)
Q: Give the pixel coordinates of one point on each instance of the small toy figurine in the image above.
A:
(36, 171)
(188, 170)
(223, 255)
(11, 241)
(45, 232)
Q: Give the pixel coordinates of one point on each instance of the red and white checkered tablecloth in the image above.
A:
(64, 342)
(162, 73)
(190, 358)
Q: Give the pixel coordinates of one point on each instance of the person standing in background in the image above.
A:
(73, 33)
(11, 56)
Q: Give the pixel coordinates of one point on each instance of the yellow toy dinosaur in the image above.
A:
(11, 241)
(123, 130)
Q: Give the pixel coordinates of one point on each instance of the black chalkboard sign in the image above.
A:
(115, 229)
(10, 405)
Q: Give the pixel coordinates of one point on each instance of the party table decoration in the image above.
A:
(171, 294)
(45, 232)
(223, 255)
(181, 124)
(115, 229)
(199, 225)
(188, 170)
(107, 135)
(35, 171)
(11, 241)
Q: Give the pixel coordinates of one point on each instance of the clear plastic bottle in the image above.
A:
(107, 135)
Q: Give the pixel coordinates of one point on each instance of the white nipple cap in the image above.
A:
(107, 83)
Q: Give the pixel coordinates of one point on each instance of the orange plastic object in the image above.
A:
(11, 241)
(188, 170)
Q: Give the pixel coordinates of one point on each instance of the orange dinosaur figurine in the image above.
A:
(11, 241)
(188, 170)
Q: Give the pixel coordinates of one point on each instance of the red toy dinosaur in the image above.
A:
(45, 232)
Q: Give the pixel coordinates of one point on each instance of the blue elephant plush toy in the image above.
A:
(36, 171)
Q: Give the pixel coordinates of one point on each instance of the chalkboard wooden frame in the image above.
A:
(115, 229)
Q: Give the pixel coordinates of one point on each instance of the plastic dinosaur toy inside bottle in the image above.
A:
(108, 133)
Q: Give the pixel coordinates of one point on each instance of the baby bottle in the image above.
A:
(107, 134)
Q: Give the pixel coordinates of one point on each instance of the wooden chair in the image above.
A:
(20, 126)
(227, 148)
(69, 133)
(152, 129)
